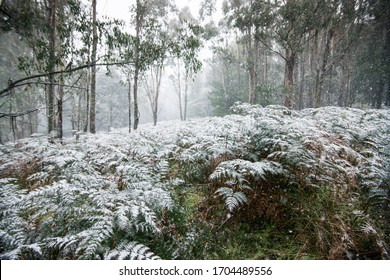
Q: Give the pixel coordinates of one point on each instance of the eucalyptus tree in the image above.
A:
(186, 42)
(144, 17)
(371, 78)
(335, 42)
(93, 69)
(45, 27)
(18, 110)
(35, 23)
(227, 86)
(282, 27)
(252, 18)
(63, 40)
(160, 45)
(294, 19)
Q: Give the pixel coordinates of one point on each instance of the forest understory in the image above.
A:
(260, 183)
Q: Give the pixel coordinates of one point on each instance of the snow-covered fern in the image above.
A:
(80, 208)
(232, 199)
(106, 195)
(240, 177)
(131, 251)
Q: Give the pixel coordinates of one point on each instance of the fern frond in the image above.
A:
(131, 251)
(225, 192)
(232, 199)
(33, 251)
(242, 170)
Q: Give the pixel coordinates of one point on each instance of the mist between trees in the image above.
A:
(64, 68)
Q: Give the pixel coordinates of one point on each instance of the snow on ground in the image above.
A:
(91, 198)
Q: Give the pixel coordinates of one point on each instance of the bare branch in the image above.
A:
(14, 115)
(20, 82)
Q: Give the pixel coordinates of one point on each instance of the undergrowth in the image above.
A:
(261, 183)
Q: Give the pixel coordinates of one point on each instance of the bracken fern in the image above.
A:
(320, 175)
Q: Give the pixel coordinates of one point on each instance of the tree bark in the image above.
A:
(129, 100)
(52, 49)
(378, 94)
(301, 82)
(59, 121)
(322, 71)
(153, 90)
(289, 77)
(33, 115)
(138, 21)
(92, 113)
(344, 98)
(86, 101)
(185, 96)
(156, 97)
(238, 63)
(252, 60)
(179, 89)
(135, 99)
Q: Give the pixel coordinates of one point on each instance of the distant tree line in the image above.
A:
(51, 51)
(302, 53)
(297, 53)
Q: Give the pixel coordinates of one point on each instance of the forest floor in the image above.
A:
(260, 183)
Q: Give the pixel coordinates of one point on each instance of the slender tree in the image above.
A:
(186, 42)
(92, 114)
(52, 65)
(140, 13)
(153, 89)
(61, 43)
(129, 99)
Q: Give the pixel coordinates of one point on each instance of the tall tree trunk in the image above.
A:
(32, 117)
(378, 94)
(321, 71)
(386, 51)
(223, 81)
(289, 78)
(341, 101)
(129, 99)
(19, 124)
(312, 58)
(265, 78)
(387, 92)
(155, 114)
(252, 67)
(185, 96)
(329, 96)
(301, 90)
(153, 90)
(238, 64)
(158, 85)
(344, 98)
(59, 100)
(52, 50)
(138, 21)
(179, 89)
(79, 115)
(59, 119)
(135, 95)
(73, 118)
(383, 83)
(92, 113)
(86, 101)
